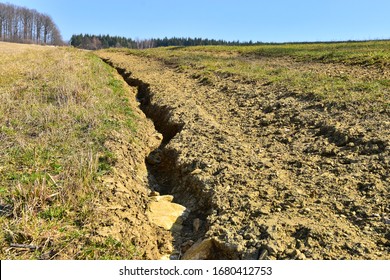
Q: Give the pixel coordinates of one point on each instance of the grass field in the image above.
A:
(351, 53)
(335, 72)
(58, 106)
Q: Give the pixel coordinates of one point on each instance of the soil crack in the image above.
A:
(165, 177)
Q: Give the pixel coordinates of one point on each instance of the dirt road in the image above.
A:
(265, 173)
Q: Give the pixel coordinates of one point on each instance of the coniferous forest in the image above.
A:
(95, 42)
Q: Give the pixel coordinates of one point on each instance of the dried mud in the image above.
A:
(266, 173)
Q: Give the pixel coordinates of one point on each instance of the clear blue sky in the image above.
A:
(244, 20)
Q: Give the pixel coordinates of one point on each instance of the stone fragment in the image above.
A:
(201, 250)
(196, 224)
(154, 193)
(166, 214)
(186, 245)
(196, 171)
(168, 198)
(263, 254)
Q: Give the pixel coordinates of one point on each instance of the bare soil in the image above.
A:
(265, 172)
(123, 206)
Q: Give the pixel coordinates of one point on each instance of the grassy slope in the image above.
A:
(350, 72)
(58, 106)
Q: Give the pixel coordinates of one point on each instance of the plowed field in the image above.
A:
(267, 172)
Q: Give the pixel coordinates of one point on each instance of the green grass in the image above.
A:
(103, 250)
(58, 108)
(352, 53)
(332, 72)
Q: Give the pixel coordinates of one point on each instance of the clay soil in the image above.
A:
(265, 172)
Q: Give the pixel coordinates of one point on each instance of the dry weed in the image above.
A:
(56, 112)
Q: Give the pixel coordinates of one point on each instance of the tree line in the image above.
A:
(95, 42)
(23, 25)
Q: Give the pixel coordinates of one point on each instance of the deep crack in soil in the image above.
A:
(266, 174)
(165, 177)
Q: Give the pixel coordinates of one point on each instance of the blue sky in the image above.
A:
(244, 20)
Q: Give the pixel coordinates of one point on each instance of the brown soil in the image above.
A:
(123, 207)
(265, 173)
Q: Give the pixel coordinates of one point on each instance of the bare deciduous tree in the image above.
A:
(23, 25)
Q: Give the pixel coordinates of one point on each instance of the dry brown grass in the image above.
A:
(58, 106)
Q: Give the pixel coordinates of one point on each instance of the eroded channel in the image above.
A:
(170, 182)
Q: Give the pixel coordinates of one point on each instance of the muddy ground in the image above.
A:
(265, 173)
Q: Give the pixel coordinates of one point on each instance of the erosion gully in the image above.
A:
(166, 178)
